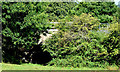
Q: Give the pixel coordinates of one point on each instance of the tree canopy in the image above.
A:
(79, 44)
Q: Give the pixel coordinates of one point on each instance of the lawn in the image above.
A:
(0, 67)
(6, 66)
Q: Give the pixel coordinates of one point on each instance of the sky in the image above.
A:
(116, 1)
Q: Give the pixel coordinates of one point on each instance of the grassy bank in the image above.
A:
(6, 66)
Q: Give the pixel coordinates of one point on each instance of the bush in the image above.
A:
(80, 44)
(72, 43)
(112, 44)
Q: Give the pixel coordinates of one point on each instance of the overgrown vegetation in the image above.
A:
(103, 10)
(81, 44)
(78, 46)
(22, 25)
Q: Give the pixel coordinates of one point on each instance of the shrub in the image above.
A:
(112, 44)
(80, 44)
(72, 45)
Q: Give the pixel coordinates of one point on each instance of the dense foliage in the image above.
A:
(59, 10)
(22, 25)
(103, 10)
(112, 44)
(23, 22)
(79, 44)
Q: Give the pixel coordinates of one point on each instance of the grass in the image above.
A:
(6, 66)
(0, 67)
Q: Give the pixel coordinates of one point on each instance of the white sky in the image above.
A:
(116, 1)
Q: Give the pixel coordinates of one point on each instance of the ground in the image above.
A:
(6, 66)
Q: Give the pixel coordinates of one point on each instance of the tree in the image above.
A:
(71, 42)
(103, 10)
(22, 25)
(59, 10)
